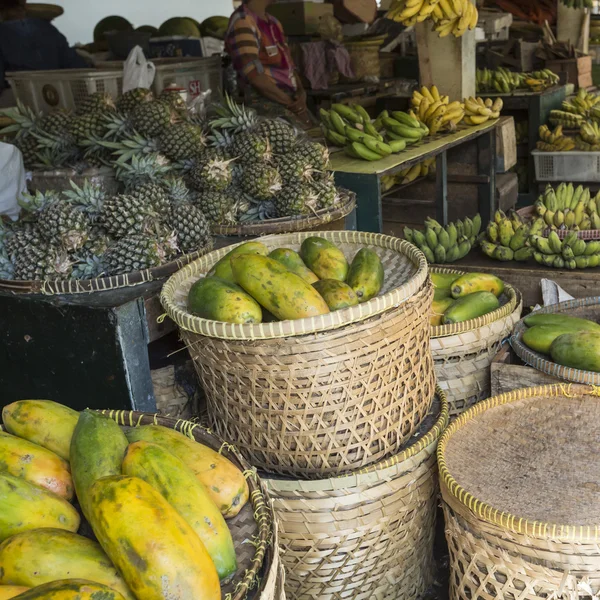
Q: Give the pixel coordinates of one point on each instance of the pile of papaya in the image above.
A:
(570, 341)
(252, 285)
(459, 298)
(155, 500)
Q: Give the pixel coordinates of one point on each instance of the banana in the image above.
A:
(447, 9)
(435, 93)
(427, 94)
(364, 152)
(488, 248)
(376, 146)
(519, 238)
(337, 122)
(412, 174)
(335, 138)
(360, 110)
(431, 110)
(405, 119)
(445, 28)
(452, 234)
(440, 254)
(476, 225)
(523, 254)
(397, 145)
(503, 253)
(505, 231)
(430, 235)
(403, 130)
(347, 113)
(444, 239)
(354, 135)
(423, 108)
(542, 244)
(492, 232)
(554, 242)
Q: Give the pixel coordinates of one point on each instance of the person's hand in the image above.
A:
(298, 104)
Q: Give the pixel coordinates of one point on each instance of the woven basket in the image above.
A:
(528, 212)
(364, 58)
(366, 535)
(520, 483)
(585, 308)
(463, 352)
(324, 395)
(255, 522)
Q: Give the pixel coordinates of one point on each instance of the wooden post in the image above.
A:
(449, 63)
(573, 24)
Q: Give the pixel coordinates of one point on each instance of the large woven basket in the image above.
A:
(324, 395)
(521, 487)
(463, 352)
(584, 308)
(364, 58)
(365, 535)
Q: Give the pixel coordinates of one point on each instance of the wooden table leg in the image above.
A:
(441, 188)
(369, 215)
(486, 159)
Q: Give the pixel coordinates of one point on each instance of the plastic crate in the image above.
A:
(567, 166)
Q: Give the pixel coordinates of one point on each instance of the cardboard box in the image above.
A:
(578, 70)
(300, 18)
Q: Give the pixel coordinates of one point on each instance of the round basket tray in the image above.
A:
(585, 308)
(48, 12)
(318, 220)
(589, 234)
(520, 483)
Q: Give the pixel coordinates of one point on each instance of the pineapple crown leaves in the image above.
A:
(176, 188)
(118, 126)
(150, 167)
(23, 117)
(89, 198)
(54, 158)
(132, 146)
(88, 267)
(34, 203)
(233, 116)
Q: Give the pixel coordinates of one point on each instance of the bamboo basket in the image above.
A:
(324, 395)
(523, 518)
(528, 212)
(584, 308)
(463, 352)
(364, 58)
(366, 535)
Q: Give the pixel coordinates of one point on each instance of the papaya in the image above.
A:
(218, 300)
(97, 450)
(280, 291)
(336, 293)
(71, 589)
(25, 506)
(438, 308)
(556, 319)
(472, 306)
(443, 280)
(35, 464)
(579, 350)
(42, 422)
(158, 554)
(540, 337)
(366, 274)
(477, 282)
(324, 259)
(292, 262)
(224, 482)
(39, 556)
(10, 591)
(441, 294)
(178, 485)
(222, 269)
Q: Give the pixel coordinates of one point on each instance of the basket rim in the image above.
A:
(539, 361)
(514, 300)
(490, 514)
(289, 328)
(258, 496)
(379, 470)
(528, 212)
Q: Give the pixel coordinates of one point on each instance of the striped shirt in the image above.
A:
(258, 46)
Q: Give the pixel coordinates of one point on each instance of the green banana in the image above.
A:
(419, 238)
(444, 239)
(405, 119)
(347, 113)
(325, 118)
(370, 130)
(452, 254)
(408, 235)
(578, 247)
(505, 232)
(431, 237)
(376, 146)
(464, 248)
(554, 242)
(338, 123)
(476, 225)
(335, 138)
(542, 244)
(354, 135)
(592, 248)
(492, 232)
(361, 112)
(452, 234)
(503, 253)
(488, 248)
(403, 130)
(523, 254)
(519, 239)
(559, 262)
(397, 145)
(364, 152)
(440, 254)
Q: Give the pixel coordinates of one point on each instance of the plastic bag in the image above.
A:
(138, 72)
(13, 180)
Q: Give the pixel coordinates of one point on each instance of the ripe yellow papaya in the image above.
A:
(292, 262)
(579, 350)
(218, 300)
(324, 259)
(35, 464)
(97, 450)
(443, 280)
(40, 556)
(280, 291)
(42, 422)
(224, 482)
(157, 552)
(366, 274)
(178, 485)
(336, 293)
(472, 306)
(71, 589)
(10, 591)
(222, 269)
(559, 320)
(477, 282)
(438, 308)
(25, 506)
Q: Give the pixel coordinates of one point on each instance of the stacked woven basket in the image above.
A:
(341, 416)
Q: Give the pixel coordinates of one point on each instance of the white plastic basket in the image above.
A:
(567, 166)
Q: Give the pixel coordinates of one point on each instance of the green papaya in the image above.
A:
(336, 293)
(438, 308)
(222, 269)
(280, 291)
(443, 280)
(470, 307)
(366, 274)
(291, 260)
(441, 294)
(560, 320)
(218, 300)
(324, 259)
(579, 350)
(540, 337)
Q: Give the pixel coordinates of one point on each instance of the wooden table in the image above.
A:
(364, 177)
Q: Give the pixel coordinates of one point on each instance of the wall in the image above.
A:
(82, 15)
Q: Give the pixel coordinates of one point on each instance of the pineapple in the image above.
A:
(261, 182)
(125, 215)
(55, 123)
(28, 145)
(327, 194)
(88, 198)
(294, 168)
(259, 211)
(135, 252)
(152, 118)
(314, 153)
(182, 140)
(173, 98)
(281, 135)
(219, 207)
(233, 117)
(83, 127)
(211, 174)
(7, 268)
(96, 102)
(141, 169)
(221, 139)
(295, 199)
(88, 268)
(249, 148)
(40, 263)
(129, 100)
(118, 126)
(190, 225)
(152, 194)
(20, 237)
(61, 223)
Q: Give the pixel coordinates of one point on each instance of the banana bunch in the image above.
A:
(582, 103)
(421, 169)
(504, 81)
(479, 111)
(566, 119)
(411, 12)
(435, 110)
(594, 113)
(567, 207)
(454, 17)
(402, 127)
(554, 141)
(445, 244)
(507, 237)
(589, 137)
(538, 81)
(522, 131)
(570, 253)
(578, 3)
(350, 127)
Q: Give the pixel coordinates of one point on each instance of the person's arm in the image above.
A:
(69, 59)
(265, 86)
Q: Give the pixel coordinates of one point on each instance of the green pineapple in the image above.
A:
(233, 117)
(142, 169)
(219, 207)
(281, 135)
(88, 125)
(41, 263)
(28, 145)
(117, 126)
(221, 139)
(327, 194)
(97, 243)
(130, 100)
(152, 194)
(211, 174)
(89, 198)
(190, 226)
(55, 123)
(21, 236)
(294, 167)
(174, 99)
(261, 182)
(182, 140)
(124, 215)
(152, 118)
(96, 102)
(314, 153)
(247, 147)
(135, 252)
(295, 199)
(89, 267)
(7, 268)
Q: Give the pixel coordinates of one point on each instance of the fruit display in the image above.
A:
(578, 3)
(569, 207)
(459, 298)
(479, 111)
(567, 119)
(449, 16)
(522, 131)
(507, 237)
(136, 488)
(569, 253)
(583, 104)
(435, 110)
(249, 285)
(401, 127)
(588, 139)
(570, 341)
(504, 81)
(405, 176)
(554, 141)
(445, 244)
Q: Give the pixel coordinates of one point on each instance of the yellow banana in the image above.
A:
(474, 18)
(411, 11)
(412, 174)
(445, 99)
(454, 105)
(423, 107)
(458, 7)
(478, 119)
(438, 13)
(432, 108)
(485, 112)
(445, 28)
(447, 9)
(488, 103)
(427, 94)
(435, 93)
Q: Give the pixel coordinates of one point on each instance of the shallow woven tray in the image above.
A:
(585, 308)
(405, 273)
(589, 234)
